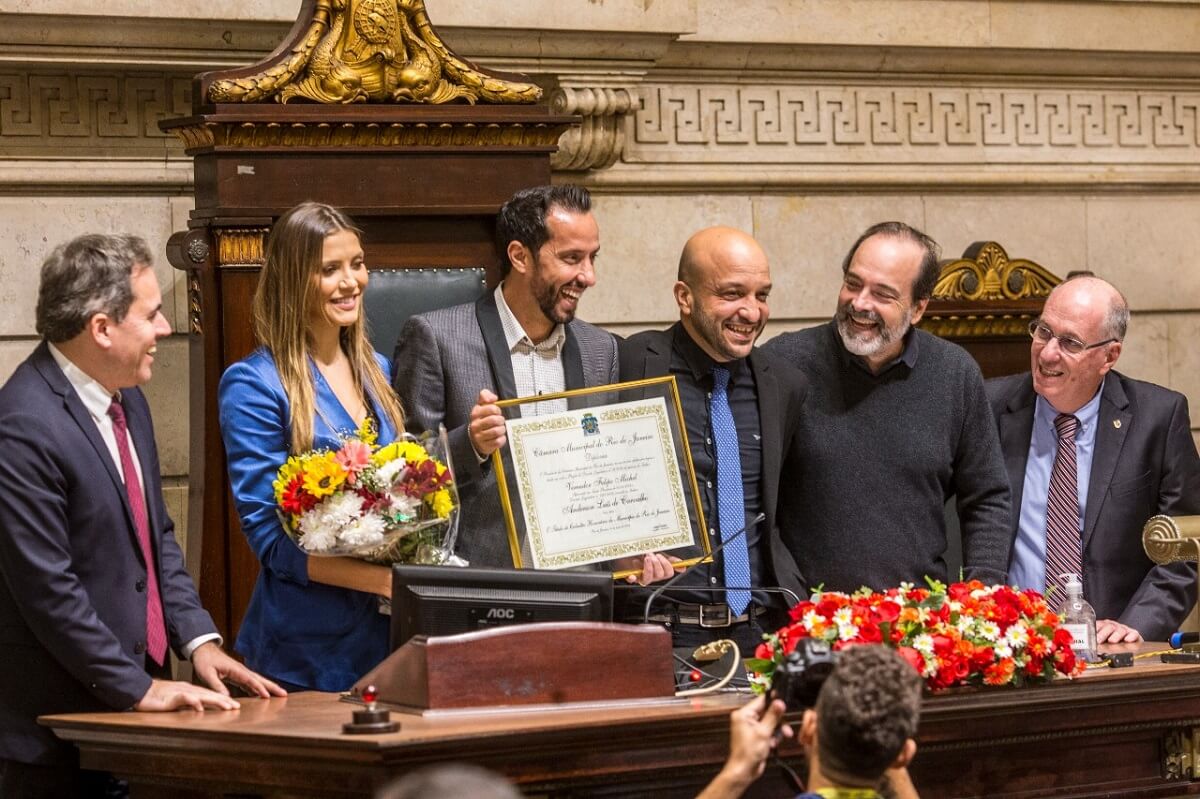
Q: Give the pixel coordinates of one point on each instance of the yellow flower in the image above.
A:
(440, 502)
(323, 475)
(409, 451)
(366, 432)
(287, 471)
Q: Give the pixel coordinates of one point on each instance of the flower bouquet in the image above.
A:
(964, 634)
(387, 504)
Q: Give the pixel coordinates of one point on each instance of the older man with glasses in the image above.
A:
(1092, 454)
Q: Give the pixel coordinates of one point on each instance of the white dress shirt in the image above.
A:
(537, 368)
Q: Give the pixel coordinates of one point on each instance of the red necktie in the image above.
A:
(156, 632)
(1063, 550)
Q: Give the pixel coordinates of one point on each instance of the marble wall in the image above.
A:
(1067, 131)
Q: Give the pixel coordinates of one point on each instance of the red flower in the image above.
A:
(999, 673)
(886, 611)
(295, 499)
(913, 658)
(764, 651)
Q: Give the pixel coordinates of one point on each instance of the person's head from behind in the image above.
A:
(450, 781)
(865, 717)
(99, 303)
(721, 289)
(548, 242)
(310, 293)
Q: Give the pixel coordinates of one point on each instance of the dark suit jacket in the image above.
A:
(72, 600)
(442, 360)
(1144, 463)
(781, 392)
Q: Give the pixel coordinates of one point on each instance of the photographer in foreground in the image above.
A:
(858, 739)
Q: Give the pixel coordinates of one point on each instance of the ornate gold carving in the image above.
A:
(991, 275)
(981, 326)
(1181, 754)
(241, 246)
(600, 141)
(371, 51)
(195, 304)
(398, 134)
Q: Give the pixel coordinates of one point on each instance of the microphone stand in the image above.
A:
(757, 520)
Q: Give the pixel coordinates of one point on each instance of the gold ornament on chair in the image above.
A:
(377, 51)
(987, 273)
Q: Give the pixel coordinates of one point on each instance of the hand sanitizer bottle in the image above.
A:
(1079, 618)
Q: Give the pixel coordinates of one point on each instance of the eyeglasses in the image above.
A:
(1069, 345)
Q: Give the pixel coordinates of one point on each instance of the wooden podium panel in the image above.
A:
(1127, 733)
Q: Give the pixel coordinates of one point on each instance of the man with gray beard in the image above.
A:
(896, 422)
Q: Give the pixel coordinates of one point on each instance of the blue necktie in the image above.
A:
(731, 500)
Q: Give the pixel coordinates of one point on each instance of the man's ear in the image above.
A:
(907, 753)
(520, 257)
(99, 328)
(918, 310)
(683, 298)
(808, 728)
(1111, 353)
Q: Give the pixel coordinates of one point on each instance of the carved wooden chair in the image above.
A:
(984, 302)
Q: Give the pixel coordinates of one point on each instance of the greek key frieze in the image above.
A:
(39, 110)
(882, 118)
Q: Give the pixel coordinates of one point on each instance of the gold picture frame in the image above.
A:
(668, 390)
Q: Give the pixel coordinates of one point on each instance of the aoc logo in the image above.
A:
(501, 614)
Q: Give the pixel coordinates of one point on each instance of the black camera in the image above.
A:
(798, 679)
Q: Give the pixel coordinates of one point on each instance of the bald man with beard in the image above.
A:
(722, 289)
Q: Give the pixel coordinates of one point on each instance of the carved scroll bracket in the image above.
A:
(599, 141)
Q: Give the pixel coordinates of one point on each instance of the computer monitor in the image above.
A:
(445, 600)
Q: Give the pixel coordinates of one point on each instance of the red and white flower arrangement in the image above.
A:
(962, 634)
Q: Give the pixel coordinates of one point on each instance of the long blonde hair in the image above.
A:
(282, 303)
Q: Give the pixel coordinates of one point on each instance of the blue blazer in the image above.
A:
(72, 597)
(308, 634)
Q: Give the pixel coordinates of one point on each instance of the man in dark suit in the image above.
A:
(94, 589)
(452, 365)
(1091, 455)
(739, 400)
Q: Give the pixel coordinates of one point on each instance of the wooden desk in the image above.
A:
(1106, 734)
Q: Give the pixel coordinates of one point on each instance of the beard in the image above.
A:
(869, 344)
(547, 296)
(709, 329)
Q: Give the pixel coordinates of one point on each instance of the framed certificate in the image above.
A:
(597, 474)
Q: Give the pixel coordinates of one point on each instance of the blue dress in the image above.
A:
(309, 634)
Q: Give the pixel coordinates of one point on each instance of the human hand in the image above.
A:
(213, 666)
(752, 737)
(174, 695)
(1113, 632)
(486, 425)
(654, 567)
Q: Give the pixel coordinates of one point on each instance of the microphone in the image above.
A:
(755, 522)
(1181, 638)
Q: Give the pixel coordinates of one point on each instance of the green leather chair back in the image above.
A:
(396, 294)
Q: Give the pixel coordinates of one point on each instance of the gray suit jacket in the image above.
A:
(442, 360)
(1144, 463)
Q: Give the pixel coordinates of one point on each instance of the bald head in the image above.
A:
(722, 292)
(714, 249)
(1093, 313)
(1094, 299)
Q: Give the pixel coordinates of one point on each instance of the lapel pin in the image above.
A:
(1117, 423)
